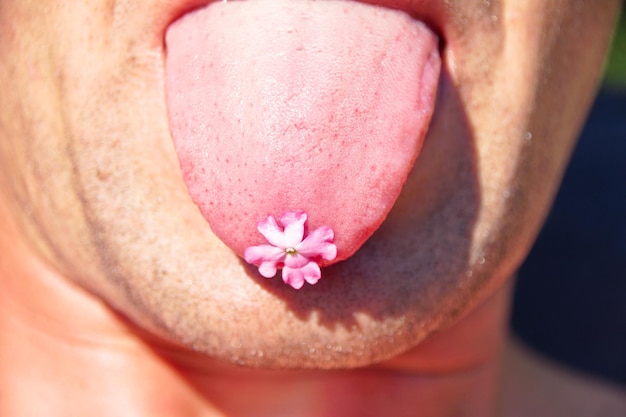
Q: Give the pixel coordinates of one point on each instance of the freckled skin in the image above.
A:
(90, 176)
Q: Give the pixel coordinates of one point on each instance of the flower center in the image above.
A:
(291, 251)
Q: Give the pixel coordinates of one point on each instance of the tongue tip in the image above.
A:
(240, 238)
(239, 229)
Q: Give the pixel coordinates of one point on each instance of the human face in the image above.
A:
(91, 173)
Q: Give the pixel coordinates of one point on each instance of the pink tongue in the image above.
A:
(284, 106)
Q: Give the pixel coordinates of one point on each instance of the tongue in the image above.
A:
(285, 106)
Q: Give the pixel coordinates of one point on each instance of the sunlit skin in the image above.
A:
(117, 299)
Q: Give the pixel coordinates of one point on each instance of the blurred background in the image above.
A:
(570, 300)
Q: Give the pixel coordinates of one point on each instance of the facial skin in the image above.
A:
(91, 183)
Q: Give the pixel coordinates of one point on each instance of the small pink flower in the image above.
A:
(290, 250)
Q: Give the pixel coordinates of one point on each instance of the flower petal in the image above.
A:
(268, 269)
(266, 257)
(319, 243)
(293, 277)
(312, 272)
(296, 260)
(294, 227)
(256, 255)
(272, 232)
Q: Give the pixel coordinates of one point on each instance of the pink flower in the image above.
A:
(290, 250)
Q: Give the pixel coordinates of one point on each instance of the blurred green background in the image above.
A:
(615, 77)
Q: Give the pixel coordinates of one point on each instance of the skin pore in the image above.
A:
(115, 294)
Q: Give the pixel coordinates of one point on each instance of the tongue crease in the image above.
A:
(285, 106)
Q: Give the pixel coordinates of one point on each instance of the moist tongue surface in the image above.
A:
(279, 106)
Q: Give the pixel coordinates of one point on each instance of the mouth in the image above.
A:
(433, 13)
(285, 106)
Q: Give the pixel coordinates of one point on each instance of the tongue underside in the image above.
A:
(286, 106)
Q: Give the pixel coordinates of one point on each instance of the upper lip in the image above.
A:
(432, 12)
